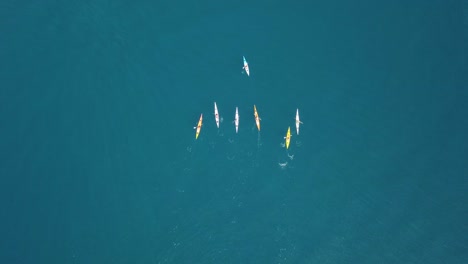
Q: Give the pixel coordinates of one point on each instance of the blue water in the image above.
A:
(99, 162)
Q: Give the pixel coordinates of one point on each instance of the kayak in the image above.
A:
(257, 118)
(216, 115)
(246, 66)
(236, 120)
(298, 122)
(198, 127)
(288, 137)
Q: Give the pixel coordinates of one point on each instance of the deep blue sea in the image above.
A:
(98, 157)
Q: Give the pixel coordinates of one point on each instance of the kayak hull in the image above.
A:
(236, 120)
(288, 138)
(298, 121)
(246, 66)
(198, 127)
(257, 118)
(216, 114)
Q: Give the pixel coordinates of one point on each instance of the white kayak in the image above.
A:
(236, 120)
(298, 121)
(246, 66)
(216, 115)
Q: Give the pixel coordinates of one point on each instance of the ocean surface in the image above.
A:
(98, 157)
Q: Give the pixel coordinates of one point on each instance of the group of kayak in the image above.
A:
(257, 122)
(257, 117)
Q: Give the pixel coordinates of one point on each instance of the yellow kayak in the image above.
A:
(257, 118)
(288, 137)
(198, 127)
